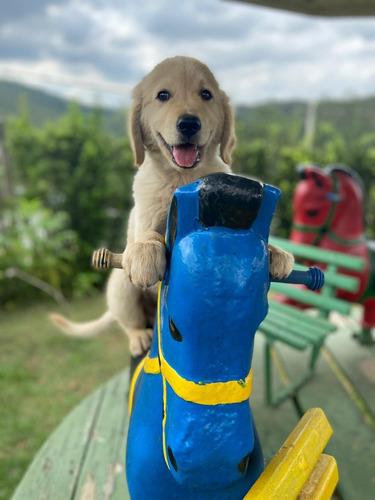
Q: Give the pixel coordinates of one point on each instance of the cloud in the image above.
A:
(256, 53)
(190, 22)
(16, 10)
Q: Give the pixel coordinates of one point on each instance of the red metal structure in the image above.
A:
(328, 212)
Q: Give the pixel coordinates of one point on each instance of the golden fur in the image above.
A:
(131, 295)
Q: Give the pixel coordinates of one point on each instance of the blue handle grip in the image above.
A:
(313, 278)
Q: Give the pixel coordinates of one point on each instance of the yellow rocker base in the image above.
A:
(299, 470)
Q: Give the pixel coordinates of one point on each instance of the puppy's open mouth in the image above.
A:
(184, 155)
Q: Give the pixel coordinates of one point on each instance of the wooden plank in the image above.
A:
(296, 313)
(320, 254)
(103, 472)
(304, 321)
(352, 443)
(312, 299)
(275, 332)
(322, 481)
(55, 470)
(303, 329)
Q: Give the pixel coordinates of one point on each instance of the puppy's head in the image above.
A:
(180, 111)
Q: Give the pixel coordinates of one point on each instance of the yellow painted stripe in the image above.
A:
(152, 365)
(213, 393)
(289, 469)
(164, 383)
(164, 421)
(133, 382)
(322, 481)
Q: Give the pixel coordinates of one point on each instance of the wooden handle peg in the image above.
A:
(104, 259)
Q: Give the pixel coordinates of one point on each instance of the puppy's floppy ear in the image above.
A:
(228, 138)
(135, 128)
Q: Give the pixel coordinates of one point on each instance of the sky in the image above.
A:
(97, 50)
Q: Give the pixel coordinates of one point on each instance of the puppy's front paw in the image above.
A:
(281, 262)
(139, 340)
(145, 260)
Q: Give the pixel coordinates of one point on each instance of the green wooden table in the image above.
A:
(84, 458)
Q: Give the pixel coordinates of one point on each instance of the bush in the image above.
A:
(71, 194)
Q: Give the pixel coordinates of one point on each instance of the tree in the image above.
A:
(71, 167)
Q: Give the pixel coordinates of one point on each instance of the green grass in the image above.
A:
(43, 375)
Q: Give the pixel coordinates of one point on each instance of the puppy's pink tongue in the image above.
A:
(185, 155)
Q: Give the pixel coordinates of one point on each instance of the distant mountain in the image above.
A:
(352, 117)
(44, 107)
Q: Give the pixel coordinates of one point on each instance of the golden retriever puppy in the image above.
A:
(181, 127)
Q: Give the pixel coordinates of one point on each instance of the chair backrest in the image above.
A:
(331, 261)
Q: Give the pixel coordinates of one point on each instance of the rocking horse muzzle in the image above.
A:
(204, 456)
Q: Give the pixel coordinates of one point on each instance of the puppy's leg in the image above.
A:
(281, 262)
(126, 305)
(144, 261)
(139, 340)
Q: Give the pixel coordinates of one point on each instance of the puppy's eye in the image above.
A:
(206, 95)
(163, 95)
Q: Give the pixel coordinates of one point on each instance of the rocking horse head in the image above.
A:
(328, 207)
(328, 211)
(211, 301)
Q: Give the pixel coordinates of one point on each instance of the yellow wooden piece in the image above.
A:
(289, 469)
(322, 481)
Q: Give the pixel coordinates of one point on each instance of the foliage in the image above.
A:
(36, 240)
(73, 175)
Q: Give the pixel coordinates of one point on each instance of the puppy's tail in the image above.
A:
(83, 330)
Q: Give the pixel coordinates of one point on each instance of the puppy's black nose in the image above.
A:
(188, 125)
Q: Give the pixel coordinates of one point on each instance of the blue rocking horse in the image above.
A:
(191, 433)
